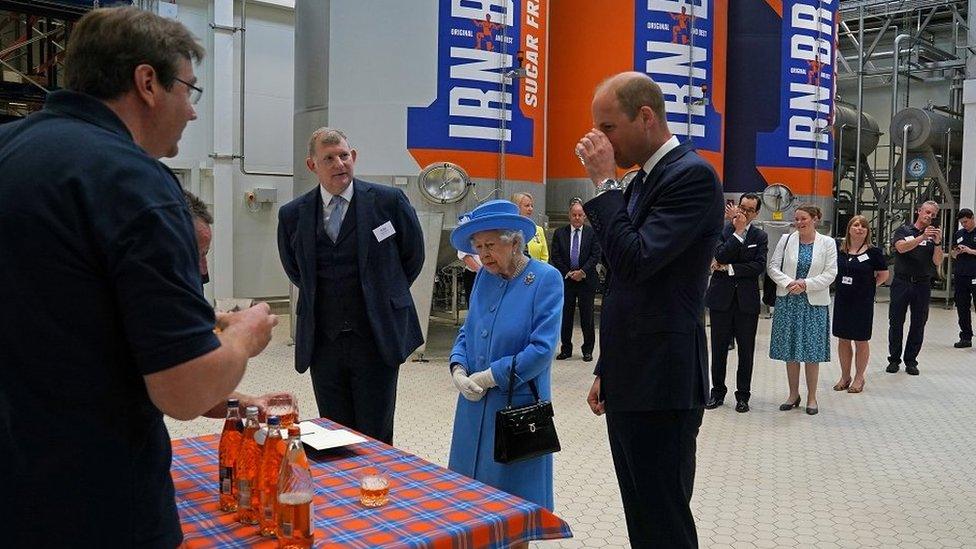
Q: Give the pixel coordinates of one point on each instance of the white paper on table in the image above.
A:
(320, 438)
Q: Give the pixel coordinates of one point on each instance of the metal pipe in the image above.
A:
(860, 109)
(894, 109)
(243, 30)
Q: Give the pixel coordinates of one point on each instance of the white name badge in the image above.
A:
(909, 238)
(384, 231)
(846, 280)
(862, 258)
(974, 282)
(958, 240)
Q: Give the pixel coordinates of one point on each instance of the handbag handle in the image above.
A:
(511, 385)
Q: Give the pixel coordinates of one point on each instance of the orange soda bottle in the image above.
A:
(295, 491)
(246, 470)
(230, 441)
(271, 456)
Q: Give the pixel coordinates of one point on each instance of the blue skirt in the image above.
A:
(801, 332)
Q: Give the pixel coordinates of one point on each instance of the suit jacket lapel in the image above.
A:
(651, 180)
(363, 202)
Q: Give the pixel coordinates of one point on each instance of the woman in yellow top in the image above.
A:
(537, 246)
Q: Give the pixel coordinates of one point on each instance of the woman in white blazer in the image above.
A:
(803, 265)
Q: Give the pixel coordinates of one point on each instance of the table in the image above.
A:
(430, 506)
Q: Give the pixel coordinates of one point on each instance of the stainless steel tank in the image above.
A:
(928, 129)
(845, 140)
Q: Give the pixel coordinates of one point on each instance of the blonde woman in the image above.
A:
(537, 246)
(802, 266)
(861, 268)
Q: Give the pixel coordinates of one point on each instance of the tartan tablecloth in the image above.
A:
(430, 506)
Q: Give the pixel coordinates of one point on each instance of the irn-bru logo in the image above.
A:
(675, 46)
(476, 106)
(804, 138)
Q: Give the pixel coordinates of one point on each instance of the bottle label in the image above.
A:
(226, 479)
(244, 494)
(286, 529)
(268, 512)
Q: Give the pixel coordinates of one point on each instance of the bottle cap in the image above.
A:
(251, 411)
(294, 431)
(233, 403)
(274, 420)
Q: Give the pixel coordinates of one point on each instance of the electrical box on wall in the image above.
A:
(168, 10)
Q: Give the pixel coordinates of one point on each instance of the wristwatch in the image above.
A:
(608, 184)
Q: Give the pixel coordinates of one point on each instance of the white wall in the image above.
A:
(268, 95)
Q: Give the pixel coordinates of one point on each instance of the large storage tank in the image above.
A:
(682, 46)
(781, 98)
(927, 129)
(413, 83)
(845, 131)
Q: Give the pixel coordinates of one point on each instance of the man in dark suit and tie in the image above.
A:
(733, 299)
(353, 249)
(575, 252)
(658, 238)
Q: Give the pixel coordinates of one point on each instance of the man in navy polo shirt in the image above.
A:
(105, 327)
(963, 250)
(917, 248)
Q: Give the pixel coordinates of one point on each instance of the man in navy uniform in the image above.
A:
(575, 252)
(353, 249)
(918, 252)
(733, 299)
(105, 326)
(963, 251)
(658, 239)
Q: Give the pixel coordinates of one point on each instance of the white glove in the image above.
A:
(468, 389)
(484, 379)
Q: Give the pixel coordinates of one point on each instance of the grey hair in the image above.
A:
(929, 203)
(516, 237)
(325, 136)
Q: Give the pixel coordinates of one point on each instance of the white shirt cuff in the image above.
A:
(731, 269)
(742, 239)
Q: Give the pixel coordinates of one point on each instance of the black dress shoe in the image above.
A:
(911, 370)
(714, 403)
(742, 407)
(963, 343)
(787, 406)
(892, 368)
(587, 357)
(812, 411)
(563, 355)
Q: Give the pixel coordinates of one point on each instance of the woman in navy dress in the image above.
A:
(515, 313)
(861, 268)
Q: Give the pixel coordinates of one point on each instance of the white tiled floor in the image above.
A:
(891, 467)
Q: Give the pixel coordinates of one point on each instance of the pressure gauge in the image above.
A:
(444, 183)
(776, 198)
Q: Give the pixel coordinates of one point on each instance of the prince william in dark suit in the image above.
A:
(658, 239)
(575, 252)
(353, 249)
(733, 298)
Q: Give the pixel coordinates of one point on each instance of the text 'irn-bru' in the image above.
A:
(248, 462)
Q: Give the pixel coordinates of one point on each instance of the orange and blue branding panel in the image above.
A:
(478, 104)
(682, 44)
(798, 150)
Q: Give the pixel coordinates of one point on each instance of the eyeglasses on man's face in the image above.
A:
(195, 92)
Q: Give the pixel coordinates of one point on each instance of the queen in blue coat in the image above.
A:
(515, 311)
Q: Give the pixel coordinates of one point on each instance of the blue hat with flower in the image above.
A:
(491, 216)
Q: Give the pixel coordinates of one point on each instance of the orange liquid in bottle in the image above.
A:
(274, 451)
(246, 470)
(230, 442)
(295, 520)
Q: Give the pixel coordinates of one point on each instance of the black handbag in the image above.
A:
(524, 432)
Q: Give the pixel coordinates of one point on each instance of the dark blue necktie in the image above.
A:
(636, 187)
(574, 250)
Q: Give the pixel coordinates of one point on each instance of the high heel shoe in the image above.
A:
(787, 406)
(843, 386)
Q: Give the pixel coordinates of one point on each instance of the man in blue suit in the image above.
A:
(353, 249)
(658, 238)
(733, 299)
